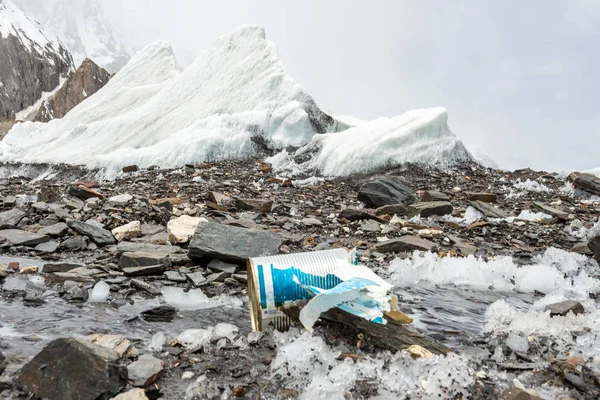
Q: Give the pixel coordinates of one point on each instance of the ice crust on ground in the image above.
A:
(195, 299)
(231, 102)
(319, 375)
(531, 186)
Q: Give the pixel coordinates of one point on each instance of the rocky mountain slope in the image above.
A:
(84, 29)
(84, 82)
(33, 61)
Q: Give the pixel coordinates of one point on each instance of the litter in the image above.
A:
(330, 278)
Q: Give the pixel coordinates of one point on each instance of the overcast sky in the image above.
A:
(520, 78)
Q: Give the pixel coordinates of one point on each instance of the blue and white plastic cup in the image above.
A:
(270, 282)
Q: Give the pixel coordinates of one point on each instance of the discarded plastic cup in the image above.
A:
(271, 283)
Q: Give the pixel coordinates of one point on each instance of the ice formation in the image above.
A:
(234, 100)
(195, 299)
(99, 292)
(531, 186)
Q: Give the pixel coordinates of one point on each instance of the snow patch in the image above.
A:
(531, 186)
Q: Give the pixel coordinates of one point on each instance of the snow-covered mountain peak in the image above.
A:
(82, 27)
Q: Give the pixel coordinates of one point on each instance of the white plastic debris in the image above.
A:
(99, 292)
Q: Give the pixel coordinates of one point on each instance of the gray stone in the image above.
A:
(551, 211)
(594, 245)
(10, 218)
(146, 270)
(311, 221)
(370, 226)
(61, 267)
(197, 278)
(564, 307)
(55, 230)
(240, 278)
(23, 238)
(433, 195)
(481, 196)
(66, 369)
(175, 276)
(151, 229)
(143, 259)
(428, 208)
(101, 237)
(404, 243)
(76, 294)
(385, 190)
(217, 265)
(258, 205)
(488, 210)
(40, 206)
(353, 214)
(392, 209)
(518, 394)
(9, 201)
(74, 203)
(145, 371)
(62, 214)
(218, 277)
(76, 243)
(230, 243)
(48, 247)
(123, 247)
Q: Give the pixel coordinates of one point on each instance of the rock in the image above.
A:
(143, 259)
(23, 238)
(159, 314)
(219, 198)
(551, 211)
(587, 182)
(217, 265)
(48, 195)
(404, 243)
(121, 199)
(100, 236)
(146, 270)
(417, 351)
(131, 168)
(353, 214)
(76, 243)
(181, 228)
(218, 277)
(197, 278)
(151, 229)
(481, 196)
(370, 226)
(519, 394)
(262, 206)
(56, 230)
(128, 231)
(133, 394)
(66, 369)
(385, 190)
(392, 209)
(11, 218)
(594, 245)
(48, 247)
(432, 195)
(428, 208)
(175, 276)
(84, 193)
(145, 371)
(581, 248)
(488, 210)
(564, 307)
(311, 221)
(34, 295)
(517, 343)
(131, 247)
(116, 343)
(76, 294)
(231, 243)
(75, 275)
(264, 167)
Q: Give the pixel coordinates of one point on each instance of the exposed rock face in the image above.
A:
(32, 61)
(87, 80)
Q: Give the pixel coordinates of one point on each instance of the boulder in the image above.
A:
(231, 243)
(404, 243)
(181, 228)
(128, 231)
(19, 237)
(428, 208)
(564, 307)
(385, 190)
(47, 247)
(145, 371)
(10, 218)
(100, 236)
(66, 369)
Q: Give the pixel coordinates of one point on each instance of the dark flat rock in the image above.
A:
(100, 236)
(488, 210)
(146, 270)
(385, 190)
(428, 208)
(564, 307)
(19, 237)
(482, 196)
(11, 218)
(354, 214)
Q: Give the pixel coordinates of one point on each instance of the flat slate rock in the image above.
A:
(159, 314)
(47, 247)
(100, 236)
(146, 270)
(19, 237)
(404, 243)
(434, 195)
(145, 371)
(354, 214)
(564, 307)
(551, 210)
(488, 210)
(142, 259)
(392, 209)
(123, 247)
(594, 245)
(217, 265)
(55, 230)
(482, 196)
(587, 182)
(428, 208)
(385, 190)
(10, 218)
(61, 266)
(230, 243)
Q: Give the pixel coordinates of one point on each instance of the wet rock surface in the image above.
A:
(155, 288)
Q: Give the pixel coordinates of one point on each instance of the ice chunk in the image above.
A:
(195, 299)
(531, 186)
(224, 330)
(193, 339)
(528, 215)
(99, 292)
(517, 343)
(472, 215)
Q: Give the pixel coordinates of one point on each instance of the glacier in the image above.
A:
(234, 100)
